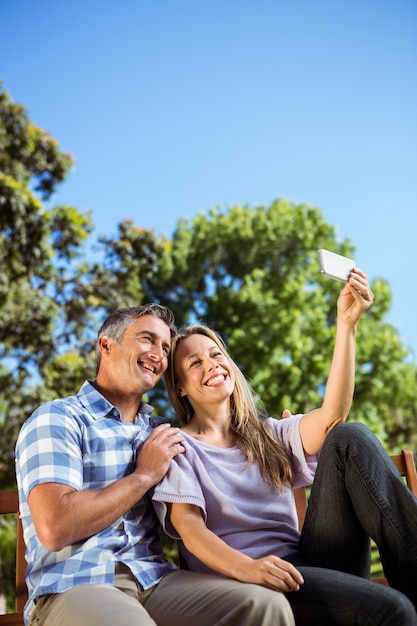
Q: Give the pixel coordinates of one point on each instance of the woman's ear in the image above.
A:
(180, 392)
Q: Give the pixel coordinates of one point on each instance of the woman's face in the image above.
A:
(204, 373)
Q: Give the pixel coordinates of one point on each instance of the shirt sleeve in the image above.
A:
(180, 484)
(287, 431)
(49, 449)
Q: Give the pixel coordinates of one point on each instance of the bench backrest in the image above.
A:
(9, 503)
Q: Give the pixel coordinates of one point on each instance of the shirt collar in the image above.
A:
(99, 407)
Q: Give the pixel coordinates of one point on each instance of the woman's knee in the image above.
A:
(349, 429)
(350, 433)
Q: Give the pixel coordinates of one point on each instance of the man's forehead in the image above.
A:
(152, 324)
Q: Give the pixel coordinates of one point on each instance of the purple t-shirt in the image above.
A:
(237, 504)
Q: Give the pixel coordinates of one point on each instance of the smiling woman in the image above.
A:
(204, 369)
(229, 501)
(201, 373)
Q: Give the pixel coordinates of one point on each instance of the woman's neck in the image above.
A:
(215, 429)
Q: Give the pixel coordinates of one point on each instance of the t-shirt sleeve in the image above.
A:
(287, 431)
(180, 484)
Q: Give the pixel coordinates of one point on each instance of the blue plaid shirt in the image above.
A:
(81, 441)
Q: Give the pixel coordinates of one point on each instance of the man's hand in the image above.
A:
(155, 455)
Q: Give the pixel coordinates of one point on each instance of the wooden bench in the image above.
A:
(9, 504)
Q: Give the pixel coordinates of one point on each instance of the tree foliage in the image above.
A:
(37, 247)
(251, 273)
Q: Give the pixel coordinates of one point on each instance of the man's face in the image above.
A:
(137, 363)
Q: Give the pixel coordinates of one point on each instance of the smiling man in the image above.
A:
(85, 466)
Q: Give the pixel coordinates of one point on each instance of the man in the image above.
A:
(85, 465)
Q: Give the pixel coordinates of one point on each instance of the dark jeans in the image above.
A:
(357, 494)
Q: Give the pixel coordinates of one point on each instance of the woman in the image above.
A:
(229, 499)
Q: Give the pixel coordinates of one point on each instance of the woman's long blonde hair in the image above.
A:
(247, 421)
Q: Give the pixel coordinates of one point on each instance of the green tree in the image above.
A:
(38, 249)
(253, 275)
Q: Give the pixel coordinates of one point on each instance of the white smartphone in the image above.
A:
(335, 265)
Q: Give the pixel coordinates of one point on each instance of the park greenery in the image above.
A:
(251, 273)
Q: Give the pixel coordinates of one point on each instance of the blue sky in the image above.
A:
(171, 107)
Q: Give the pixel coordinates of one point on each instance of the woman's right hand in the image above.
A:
(273, 572)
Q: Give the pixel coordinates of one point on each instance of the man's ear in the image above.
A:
(105, 344)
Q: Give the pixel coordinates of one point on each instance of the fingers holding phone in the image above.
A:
(357, 296)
